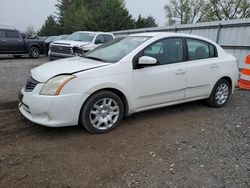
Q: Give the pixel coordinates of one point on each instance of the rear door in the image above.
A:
(203, 68)
(14, 41)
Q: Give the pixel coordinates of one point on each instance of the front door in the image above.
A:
(164, 82)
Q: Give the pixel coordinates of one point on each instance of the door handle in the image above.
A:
(214, 66)
(180, 71)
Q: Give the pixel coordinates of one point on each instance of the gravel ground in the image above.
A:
(14, 74)
(188, 145)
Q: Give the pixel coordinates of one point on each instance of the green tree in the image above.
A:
(111, 15)
(75, 17)
(62, 6)
(49, 28)
(145, 22)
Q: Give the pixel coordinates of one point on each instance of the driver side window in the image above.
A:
(99, 39)
(166, 51)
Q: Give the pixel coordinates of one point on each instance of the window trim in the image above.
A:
(204, 41)
(140, 54)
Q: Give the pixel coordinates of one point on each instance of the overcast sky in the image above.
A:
(22, 13)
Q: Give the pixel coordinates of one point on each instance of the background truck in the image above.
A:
(13, 42)
(79, 42)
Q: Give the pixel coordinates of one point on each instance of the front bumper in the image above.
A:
(54, 56)
(51, 111)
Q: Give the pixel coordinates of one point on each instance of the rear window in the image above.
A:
(11, 34)
(198, 49)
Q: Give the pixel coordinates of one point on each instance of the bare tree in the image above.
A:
(185, 11)
(193, 11)
(30, 31)
(228, 9)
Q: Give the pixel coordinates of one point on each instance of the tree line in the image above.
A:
(112, 15)
(194, 11)
(92, 15)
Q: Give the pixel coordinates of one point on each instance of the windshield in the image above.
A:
(61, 37)
(114, 50)
(84, 37)
(51, 39)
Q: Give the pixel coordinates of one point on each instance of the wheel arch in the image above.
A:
(34, 45)
(119, 93)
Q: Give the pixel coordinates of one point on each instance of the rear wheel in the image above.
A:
(220, 94)
(102, 112)
(34, 52)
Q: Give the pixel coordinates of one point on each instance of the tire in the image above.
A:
(220, 94)
(102, 112)
(34, 52)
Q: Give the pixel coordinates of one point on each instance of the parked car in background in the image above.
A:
(78, 42)
(51, 39)
(13, 42)
(128, 75)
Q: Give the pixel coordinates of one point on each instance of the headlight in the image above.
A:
(55, 85)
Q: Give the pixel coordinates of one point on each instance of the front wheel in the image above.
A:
(34, 52)
(102, 112)
(220, 94)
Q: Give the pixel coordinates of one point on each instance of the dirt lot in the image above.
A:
(189, 145)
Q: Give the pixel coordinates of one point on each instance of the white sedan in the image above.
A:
(128, 75)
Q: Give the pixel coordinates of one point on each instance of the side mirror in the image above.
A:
(146, 60)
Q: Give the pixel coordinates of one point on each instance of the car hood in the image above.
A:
(64, 66)
(70, 43)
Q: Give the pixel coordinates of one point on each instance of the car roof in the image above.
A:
(94, 32)
(171, 34)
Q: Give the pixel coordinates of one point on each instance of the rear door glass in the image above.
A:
(11, 34)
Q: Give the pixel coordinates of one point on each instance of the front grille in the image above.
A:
(31, 84)
(61, 49)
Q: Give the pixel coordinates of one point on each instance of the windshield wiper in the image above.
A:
(94, 58)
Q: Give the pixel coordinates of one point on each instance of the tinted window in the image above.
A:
(166, 51)
(100, 39)
(107, 37)
(198, 49)
(11, 34)
(2, 34)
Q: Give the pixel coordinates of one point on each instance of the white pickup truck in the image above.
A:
(80, 40)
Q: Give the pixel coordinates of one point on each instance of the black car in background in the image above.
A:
(51, 39)
(13, 42)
